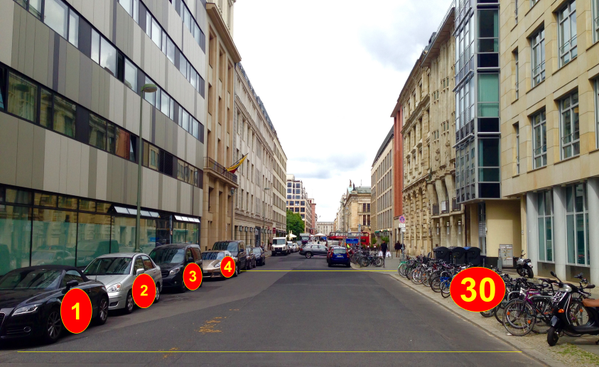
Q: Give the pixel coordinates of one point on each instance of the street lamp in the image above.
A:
(147, 88)
(264, 210)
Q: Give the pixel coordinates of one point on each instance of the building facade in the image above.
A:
(447, 216)
(325, 227)
(354, 210)
(71, 77)
(298, 202)
(219, 184)
(256, 221)
(381, 208)
(414, 100)
(550, 131)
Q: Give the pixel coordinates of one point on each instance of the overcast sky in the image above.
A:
(329, 73)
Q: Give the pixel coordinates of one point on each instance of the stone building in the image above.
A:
(354, 209)
(325, 227)
(259, 209)
(550, 132)
(381, 208)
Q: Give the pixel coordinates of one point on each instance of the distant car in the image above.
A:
(30, 300)
(212, 260)
(237, 250)
(118, 271)
(251, 260)
(260, 256)
(279, 246)
(313, 250)
(172, 259)
(338, 255)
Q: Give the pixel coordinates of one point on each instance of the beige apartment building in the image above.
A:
(381, 208)
(414, 100)
(354, 210)
(260, 187)
(447, 216)
(549, 129)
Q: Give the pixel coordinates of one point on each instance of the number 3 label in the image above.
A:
(192, 276)
(477, 289)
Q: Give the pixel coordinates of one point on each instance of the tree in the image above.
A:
(295, 223)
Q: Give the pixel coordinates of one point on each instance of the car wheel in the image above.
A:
(102, 311)
(236, 270)
(157, 298)
(53, 326)
(263, 261)
(182, 288)
(330, 265)
(129, 303)
(308, 255)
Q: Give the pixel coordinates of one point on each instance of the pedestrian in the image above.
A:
(384, 249)
(397, 248)
(402, 248)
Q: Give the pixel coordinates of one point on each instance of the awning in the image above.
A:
(131, 211)
(181, 218)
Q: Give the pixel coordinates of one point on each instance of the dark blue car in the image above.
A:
(338, 255)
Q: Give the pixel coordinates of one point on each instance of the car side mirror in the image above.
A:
(189, 260)
(138, 272)
(72, 284)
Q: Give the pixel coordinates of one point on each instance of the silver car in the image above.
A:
(118, 271)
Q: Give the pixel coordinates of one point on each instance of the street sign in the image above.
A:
(402, 219)
(403, 230)
(402, 225)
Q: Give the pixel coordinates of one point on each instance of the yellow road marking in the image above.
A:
(278, 351)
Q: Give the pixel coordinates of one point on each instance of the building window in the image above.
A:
(596, 20)
(545, 220)
(539, 135)
(517, 142)
(104, 53)
(488, 95)
(97, 132)
(517, 74)
(566, 18)
(533, 2)
(516, 10)
(131, 7)
(58, 16)
(22, 98)
(597, 111)
(570, 134)
(577, 225)
(537, 44)
(488, 31)
(64, 116)
(131, 75)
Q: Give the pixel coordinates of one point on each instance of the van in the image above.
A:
(237, 250)
(279, 246)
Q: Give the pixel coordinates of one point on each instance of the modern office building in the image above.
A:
(490, 222)
(260, 184)
(298, 202)
(219, 184)
(549, 131)
(381, 185)
(71, 103)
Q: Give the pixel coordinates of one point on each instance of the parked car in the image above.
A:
(172, 260)
(237, 250)
(251, 259)
(118, 271)
(293, 247)
(338, 255)
(279, 246)
(30, 300)
(260, 256)
(313, 250)
(212, 259)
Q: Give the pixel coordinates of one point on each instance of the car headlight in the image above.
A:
(26, 309)
(217, 265)
(113, 288)
(174, 271)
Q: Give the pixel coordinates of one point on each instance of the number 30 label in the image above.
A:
(477, 289)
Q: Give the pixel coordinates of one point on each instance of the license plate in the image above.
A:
(554, 321)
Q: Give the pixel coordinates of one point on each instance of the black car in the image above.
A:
(260, 256)
(313, 250)
(30, 300)
(173, 259)
(237, 250)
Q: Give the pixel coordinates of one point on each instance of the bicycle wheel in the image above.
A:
(426, 279)
(544, 313)
(402, 269)
(519, 318)
(378, 262)
(489, 313)
(578, 315)
(445, 288)
(500, 311)
(363, 262)
(417, 276)
(436, 284)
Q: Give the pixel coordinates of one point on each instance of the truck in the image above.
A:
(305, 238)
(279, 246)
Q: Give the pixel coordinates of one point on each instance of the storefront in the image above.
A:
(39, 228)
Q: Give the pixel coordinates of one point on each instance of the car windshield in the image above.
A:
(109, 266)
(257, 251)
(213, 255)
(279, 242)
(168, 255)
(229, 246)
(30, 279)
(339, 251)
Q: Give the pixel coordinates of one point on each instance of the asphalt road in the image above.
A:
(321, 317)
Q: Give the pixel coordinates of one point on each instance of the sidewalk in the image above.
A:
(572, 352)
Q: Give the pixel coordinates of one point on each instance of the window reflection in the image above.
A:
(94, 238)
(97, 132)
(15, 237)
(108, 56)
(55, 16)
(54, 237)
(64, 116)
(46, 109)
(22, 97)
(130, 75)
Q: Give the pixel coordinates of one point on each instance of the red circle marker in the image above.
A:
(227, 267)
(76, 311)
(144, 291)
(477, 289)
(192, 276)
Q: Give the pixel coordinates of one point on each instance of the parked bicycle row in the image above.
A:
(542, 306)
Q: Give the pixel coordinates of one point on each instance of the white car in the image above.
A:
(292, 246)
(279, 246)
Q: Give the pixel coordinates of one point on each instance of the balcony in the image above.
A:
(214, 168)
(444, 207)
(455, 206)
(435, 209)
